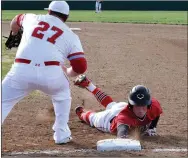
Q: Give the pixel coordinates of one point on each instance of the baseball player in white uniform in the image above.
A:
(98, 6)
(46, 43)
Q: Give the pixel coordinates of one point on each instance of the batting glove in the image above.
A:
(151, 132)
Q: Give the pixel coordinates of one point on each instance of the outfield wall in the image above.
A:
(107, 5)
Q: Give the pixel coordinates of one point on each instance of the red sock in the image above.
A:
(102, 97)
(85, 116)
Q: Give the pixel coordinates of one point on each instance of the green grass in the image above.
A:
(5, 68)
(7, 59)
(153, 17)
(160, 17)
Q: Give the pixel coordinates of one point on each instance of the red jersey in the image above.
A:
(127, 117)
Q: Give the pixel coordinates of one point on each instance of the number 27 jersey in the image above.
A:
(46, 38)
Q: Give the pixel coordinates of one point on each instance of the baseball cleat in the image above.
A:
(82, 81)
(64, 141)
(79, 110)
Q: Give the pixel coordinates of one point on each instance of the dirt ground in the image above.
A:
(119, 56)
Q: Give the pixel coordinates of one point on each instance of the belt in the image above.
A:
(46, 63)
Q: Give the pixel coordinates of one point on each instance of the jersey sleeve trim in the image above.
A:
(76, 56)
(19, 19)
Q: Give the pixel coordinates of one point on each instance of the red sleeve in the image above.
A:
(120, 119)
(78, 62)
(123, 118)
(155, 109)
(79, 65)
(19, 19)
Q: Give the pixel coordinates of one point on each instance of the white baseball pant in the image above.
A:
(101, 120)
(25, 78)
(97, 6)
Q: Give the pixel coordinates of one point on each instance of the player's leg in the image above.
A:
(13, 90)
(84, 115)
(95, 119)
(59, 89)
(62, 133)
(100, 5)
(57, 86)
(83, 82)
(102, 97)
(96, 7)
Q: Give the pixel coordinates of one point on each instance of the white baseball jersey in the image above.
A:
(46, 39)
(49, 32)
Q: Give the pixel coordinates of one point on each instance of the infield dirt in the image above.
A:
(119, 56)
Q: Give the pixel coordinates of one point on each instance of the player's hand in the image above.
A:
(150, 132)
(69, 71)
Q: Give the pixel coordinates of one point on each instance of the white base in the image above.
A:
(118, 145)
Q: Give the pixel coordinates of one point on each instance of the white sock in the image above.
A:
(91, 87)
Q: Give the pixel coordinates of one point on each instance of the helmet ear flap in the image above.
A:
(149, 106)
(130, 106)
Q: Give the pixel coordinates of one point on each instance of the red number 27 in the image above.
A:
(44, 27)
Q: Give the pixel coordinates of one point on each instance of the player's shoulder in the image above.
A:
(155, 108)
(30, 15)
(69, 31)
(74, 38)
(126, 117)
(27, 18)
(155, 102)
(44, 17)
(125, 112)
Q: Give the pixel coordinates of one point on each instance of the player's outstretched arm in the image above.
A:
(122, 131)
(76, 58)
(69, 71)
(154, 123)
(78, 66)
(152, 131)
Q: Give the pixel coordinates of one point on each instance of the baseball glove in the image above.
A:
(13, 40)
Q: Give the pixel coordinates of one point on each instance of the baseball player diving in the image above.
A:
(39, 64)
(141, 112)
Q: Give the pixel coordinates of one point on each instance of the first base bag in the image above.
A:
(118, 145)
